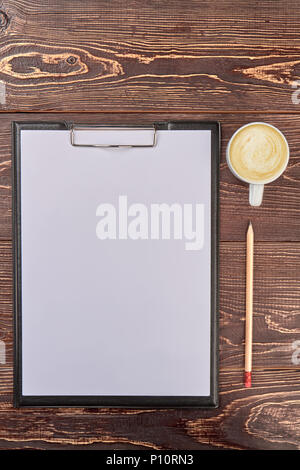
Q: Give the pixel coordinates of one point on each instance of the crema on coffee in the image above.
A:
(258, 153)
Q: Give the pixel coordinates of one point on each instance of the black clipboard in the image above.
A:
(136, 401)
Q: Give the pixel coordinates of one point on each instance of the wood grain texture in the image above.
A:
(136, 55)
(276, 220)
(181, 60)
(264, 417)
(276, 304)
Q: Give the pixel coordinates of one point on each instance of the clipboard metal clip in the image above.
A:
(84, 127)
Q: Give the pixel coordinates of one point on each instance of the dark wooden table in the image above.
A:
(139, 61)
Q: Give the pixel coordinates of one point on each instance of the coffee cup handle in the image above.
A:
(256, 192)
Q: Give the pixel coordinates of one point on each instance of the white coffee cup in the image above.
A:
(256, 186)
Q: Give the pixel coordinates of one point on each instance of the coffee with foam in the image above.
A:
(258, 153)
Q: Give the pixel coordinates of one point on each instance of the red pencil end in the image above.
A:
(247, 379)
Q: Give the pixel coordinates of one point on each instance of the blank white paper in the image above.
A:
(112, 317)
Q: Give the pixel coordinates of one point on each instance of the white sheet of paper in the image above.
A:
(112, 317)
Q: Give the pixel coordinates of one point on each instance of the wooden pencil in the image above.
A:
(249, 305)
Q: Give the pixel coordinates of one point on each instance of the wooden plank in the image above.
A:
(263, 417)
(276, 307)
(181, 55)
(276, 220)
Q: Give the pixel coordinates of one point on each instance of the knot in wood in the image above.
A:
(71, 60)
(4, 20)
